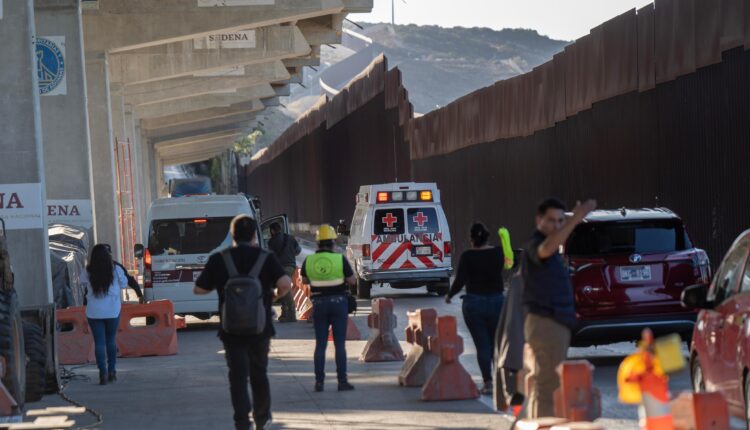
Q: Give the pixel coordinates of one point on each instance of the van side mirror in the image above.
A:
(138, 250)
(696, 297)
(342, 228)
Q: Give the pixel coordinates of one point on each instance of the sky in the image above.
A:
(558, 19)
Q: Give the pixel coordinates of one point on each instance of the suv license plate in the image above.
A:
(635, 273)
(423, 250)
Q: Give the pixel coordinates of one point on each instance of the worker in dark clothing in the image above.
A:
(247, 356)
(480, 270)
(548, 299)
(287, 249)
(328, 273)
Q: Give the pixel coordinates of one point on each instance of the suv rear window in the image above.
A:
(188, 236)
(422, 220)
(389, 221)
(633, 237)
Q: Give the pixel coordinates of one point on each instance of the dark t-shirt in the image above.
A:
(215, 275)
(547, 287)
(481, 271)
(324, 291)
(286, 248)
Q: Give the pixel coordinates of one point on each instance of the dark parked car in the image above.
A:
(720, 349)
(629, 268)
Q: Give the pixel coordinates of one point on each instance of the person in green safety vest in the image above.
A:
(328, 273)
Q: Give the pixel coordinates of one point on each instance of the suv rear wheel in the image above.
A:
(12, 346)
(363, 288)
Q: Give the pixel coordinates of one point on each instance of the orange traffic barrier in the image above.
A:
(449, 380)
(302, 301)
(578, 425)
(382, 344)
(159, 338)
(180, 322)
(700, 411)
(642, 380)
(352, 332)
(75, 344)
(420, 361)
(577, 399)
(539, 423)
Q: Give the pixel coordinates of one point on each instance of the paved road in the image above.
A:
(189, 391)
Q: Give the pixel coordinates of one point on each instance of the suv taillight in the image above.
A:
(366, 251)
(448, 248)
(702, 265)
(147, 282)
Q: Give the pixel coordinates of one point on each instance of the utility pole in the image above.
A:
(393, 13)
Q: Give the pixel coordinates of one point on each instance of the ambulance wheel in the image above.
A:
(363, 289)
(439, 288)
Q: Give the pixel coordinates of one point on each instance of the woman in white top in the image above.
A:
(106, 279)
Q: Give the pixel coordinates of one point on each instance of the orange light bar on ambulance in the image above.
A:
(382, 197)
(425, 196)
(200, 221)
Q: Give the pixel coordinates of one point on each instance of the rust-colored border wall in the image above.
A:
(631, 52)
(682, 145)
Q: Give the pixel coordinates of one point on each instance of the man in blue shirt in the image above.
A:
(548, 299)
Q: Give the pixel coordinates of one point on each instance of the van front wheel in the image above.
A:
(363, 288)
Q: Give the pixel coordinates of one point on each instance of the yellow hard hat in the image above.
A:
(325, 232)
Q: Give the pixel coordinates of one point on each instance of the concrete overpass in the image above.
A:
(176, 81)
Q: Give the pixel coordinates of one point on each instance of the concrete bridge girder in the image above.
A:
(117, 26)
(198, 148)
(180, 59)
(198, 103)
(178, 88)
(245, 119)
(192, 117)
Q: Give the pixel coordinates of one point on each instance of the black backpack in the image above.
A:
(243, 312)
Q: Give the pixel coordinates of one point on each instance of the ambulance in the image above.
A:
(399, 236)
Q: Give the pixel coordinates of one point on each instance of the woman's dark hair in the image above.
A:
(479, 234)
(100, 270)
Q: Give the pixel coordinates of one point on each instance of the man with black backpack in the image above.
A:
(248, 279)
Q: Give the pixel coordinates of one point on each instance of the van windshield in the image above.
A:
(188, 236)
(640, 237)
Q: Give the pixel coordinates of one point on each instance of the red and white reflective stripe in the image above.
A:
(398, 255)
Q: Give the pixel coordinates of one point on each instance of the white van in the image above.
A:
(182, 234)
(399, 235)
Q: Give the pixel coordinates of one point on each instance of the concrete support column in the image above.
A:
(131, 135)
(65, 124)
(102, 152)
(22, 156)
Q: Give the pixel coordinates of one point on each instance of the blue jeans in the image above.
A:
(104, 331)
(482, 314)
(330, 311)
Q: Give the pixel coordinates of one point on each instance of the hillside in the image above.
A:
(440, 64)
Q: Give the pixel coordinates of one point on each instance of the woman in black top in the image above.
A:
(480, 270)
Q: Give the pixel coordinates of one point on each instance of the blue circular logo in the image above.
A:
(50, 65)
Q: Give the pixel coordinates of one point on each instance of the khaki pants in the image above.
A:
(549, 340)
(288, 310)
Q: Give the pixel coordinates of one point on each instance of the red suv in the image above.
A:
(720, 349)
(629, 268)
